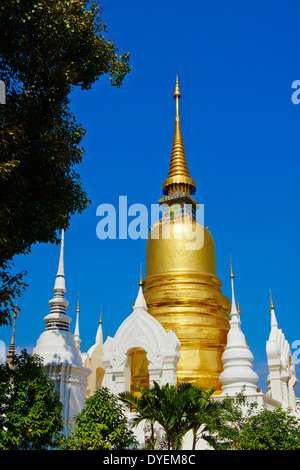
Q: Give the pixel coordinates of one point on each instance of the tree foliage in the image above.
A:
(271, 430)
(101, 425)
(30, 409)
(11, 287)
(204, 416)
(233, 413)
(252, 428)
(47, 48)
(228, 424)
(177, 409)
(164, 405)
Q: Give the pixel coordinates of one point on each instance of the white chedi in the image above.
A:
(57, 347)
(238, 374)
(56, 344)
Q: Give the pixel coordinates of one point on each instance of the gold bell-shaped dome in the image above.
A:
(181, 287)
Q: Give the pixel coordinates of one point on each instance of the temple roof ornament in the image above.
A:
(178, 176)
(11, 350)
(76, 331)
(57, 344)
(238, 374)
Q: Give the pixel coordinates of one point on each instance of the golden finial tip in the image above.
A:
(100, 321)
(238, 309)
(271, 301)
(141, 276)
(231, 272)
(77, 309)
(178, 176)
(15, 315)
(177, 90)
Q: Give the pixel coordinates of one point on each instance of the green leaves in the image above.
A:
(225, 424)
(271, 430)
(47, 48)
(30, 407)
(177, 409)
(101, 425)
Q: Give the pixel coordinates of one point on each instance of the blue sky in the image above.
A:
(236, 63)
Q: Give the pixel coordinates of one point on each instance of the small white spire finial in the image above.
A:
(60, 276)
(76, 332)
(99, 334)
(272, 312)
(233, 304)
(11, 350)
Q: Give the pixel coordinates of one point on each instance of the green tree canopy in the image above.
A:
(101, 425)
(30, 408)
(47, 48)
(204, 416)
(165, 405)
(270, 430)
(178, 409)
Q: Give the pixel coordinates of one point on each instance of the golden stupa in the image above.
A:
(181, 287)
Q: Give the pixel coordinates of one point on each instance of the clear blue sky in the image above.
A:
(236, 63)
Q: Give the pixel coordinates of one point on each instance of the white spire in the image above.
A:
(60, 276)
(57, 344)
(59, 304)
(233, 304)
(276, 336)
(237, 358)
(140, 300)
(60, 352)
(99, 335)
(76, 331)
(274, 323)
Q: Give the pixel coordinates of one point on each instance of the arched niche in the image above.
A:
(140, 338)
(138, 365)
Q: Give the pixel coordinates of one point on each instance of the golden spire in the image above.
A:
(238, 309)
(177, 95)
(178, 176)
(15, 315)
(100, 321)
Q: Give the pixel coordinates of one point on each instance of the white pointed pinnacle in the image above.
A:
(274, 323)
(233, 304)
(60, 284)
(99, 334)
(59, 303)
(237, 358)
(76, 331)
(140, 300)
